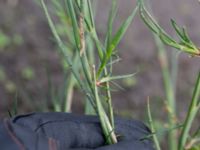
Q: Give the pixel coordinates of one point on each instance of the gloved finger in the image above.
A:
(15, 137)
(74, 131)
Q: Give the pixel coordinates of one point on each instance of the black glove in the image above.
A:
(64, 131)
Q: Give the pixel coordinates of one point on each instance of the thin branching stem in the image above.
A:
(170, 96)
(105, 123)
(155, 138)
(70, 91)
(60, 44)
(168, 85)
(109, 101)
(82, 25)
(192, 112)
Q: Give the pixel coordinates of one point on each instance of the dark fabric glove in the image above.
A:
(64, 131)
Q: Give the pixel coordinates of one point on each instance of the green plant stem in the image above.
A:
(105, 123)
(109, 101)
(70, 86)
(73, 66)
(192, 112)
(70, 91)
(162, 131)
(92, 31)
(155, 138)
(80, 41)
(169, 90)
(74, 22)
(90, 13)
(82, 49)
(100, 53)
(171, 103)
(61, 45)
(98, 44)
(108, 127)
(89, 109)
(174, 68)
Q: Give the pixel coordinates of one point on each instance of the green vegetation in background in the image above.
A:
(4, 40)
(17, 39)
(28, 73)
(9, 85)
(2, 74)
(8, 41)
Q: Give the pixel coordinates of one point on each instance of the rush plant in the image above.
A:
(93, 77)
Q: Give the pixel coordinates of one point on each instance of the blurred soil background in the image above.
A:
(27, 50)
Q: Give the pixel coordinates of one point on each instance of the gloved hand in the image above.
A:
(64, 131)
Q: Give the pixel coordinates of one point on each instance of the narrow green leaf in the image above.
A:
(74, 22)
(177, 29)
(117, 86)
(108, 79)
(90, 13)
(100, 47)
(115, 41)
(149, 20)
(187, 39)
(163, 131)
(120, 33)
(110, 21)
(146, 20)
(182, 33)
(188, 46)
